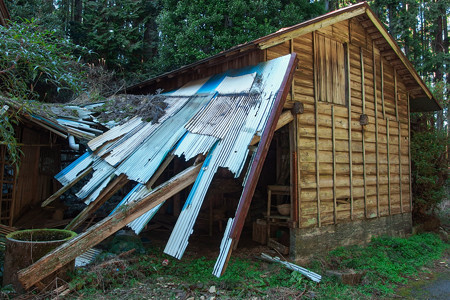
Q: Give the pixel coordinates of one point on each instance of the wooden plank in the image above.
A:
(311, 26)
(363, 92)
(65, 188)
(316, 121)
(104, 196)
(382, 87)
(409, 154)
(349, 116)
(400, 166)
(108, 226)
(334, 164)
(396, 95)
(376, 127)
(160, 170)
(388, 165)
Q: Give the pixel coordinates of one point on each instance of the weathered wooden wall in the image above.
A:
(40, 161)
(365, 174)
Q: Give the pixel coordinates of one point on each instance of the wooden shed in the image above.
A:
(349, 131)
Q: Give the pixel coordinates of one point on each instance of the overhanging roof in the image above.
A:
(389, 49)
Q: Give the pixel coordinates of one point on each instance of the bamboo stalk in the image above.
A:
(388, 165)
(316, 118)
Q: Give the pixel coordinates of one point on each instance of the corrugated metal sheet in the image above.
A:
(220, 118)
(151, 152)
(68, 174)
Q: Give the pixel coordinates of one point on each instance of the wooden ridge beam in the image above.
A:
(108, 226)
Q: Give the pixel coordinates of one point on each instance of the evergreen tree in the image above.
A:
(195, 29)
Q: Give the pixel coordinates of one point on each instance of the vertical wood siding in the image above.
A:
(347, 172)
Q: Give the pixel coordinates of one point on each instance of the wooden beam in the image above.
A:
(350, 162)
(400, 164)
(409, 153)
(316, 123)
(94, 235)
(388, 165)
(396, 94)
(363, 93)
(311, 27)
(285, 118)
(333, 143)
(65, 188)
(160, 170)
(104, 196)
(377, 156)
(382, 87)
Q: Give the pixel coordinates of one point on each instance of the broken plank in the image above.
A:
(105, 228)
(65, 188)
(104, 196)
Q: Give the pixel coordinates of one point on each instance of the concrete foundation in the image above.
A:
(308, 241)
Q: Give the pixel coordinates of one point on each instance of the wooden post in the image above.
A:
(316, 121)
(409, 154)
(388, 165)
(291, 50)
(333, 133)
(396, 94)
(382, 86)
(94, 235)
(400, 164)
(377, 156)
(363, 93)
(350, 158)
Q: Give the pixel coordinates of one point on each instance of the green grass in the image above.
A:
(387, 262)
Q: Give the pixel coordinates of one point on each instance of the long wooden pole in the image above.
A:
(388, 165)
(400, 165)
(94, 235)
(316, 121)
(409, 154)
(333, 133)
(377, 155)
(350, 151)
(65, 188)
(363, 92)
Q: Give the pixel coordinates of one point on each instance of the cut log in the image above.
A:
(108, 226)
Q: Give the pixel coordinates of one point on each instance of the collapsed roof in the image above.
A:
(218, 117)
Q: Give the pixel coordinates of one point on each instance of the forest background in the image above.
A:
(56, 50)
